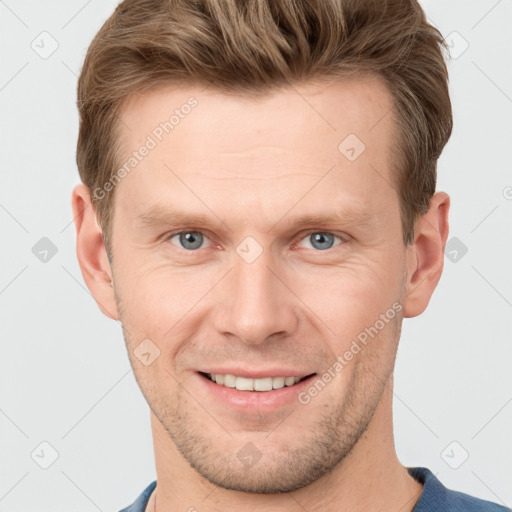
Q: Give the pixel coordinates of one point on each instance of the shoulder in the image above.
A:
(140, 503)
(436, 497)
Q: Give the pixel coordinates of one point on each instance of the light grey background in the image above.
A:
(65, 377)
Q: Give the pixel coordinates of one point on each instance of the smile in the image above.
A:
(247, 384)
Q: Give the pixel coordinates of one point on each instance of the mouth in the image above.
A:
(264, 384)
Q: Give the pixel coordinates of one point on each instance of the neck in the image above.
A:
(370, 477)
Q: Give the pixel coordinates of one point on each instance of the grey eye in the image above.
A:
(321, 240)
(190, 240)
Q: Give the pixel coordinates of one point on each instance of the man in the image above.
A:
(258, 209)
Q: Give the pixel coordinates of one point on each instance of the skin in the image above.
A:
(252, 166)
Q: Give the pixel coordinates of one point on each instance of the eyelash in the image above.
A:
(303, 236)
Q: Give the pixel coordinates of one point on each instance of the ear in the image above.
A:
(425, 256)
(91, 252)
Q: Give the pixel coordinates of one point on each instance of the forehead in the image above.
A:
(328, 142)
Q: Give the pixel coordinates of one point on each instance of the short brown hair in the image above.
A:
(255, 46)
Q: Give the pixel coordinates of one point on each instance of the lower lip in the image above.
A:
(251, 401)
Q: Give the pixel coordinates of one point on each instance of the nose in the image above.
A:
(256, 303)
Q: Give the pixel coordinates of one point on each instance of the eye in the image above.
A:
(193, 240)
(189, 240)
(321, 240)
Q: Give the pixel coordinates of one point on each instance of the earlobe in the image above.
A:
(425, 257)
(91, 252)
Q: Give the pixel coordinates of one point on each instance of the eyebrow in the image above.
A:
(158, 215)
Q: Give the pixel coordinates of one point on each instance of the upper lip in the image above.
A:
(257, 373)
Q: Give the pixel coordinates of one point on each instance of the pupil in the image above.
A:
(322, 238)
(191, 240)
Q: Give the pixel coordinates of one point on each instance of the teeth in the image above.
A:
(265, 384)
(245, 384)
(278, 382)
(289, 381)
(229, 381)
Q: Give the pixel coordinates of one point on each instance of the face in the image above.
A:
(259, 241)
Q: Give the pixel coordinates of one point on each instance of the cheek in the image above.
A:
(149, 291)
(341, 299)
(352, 294)
(358, 306)
(163, 304)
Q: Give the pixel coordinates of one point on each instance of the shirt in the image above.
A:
(435, 497)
